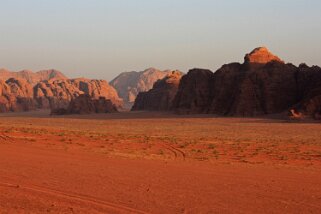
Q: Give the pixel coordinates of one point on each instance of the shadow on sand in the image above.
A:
(275, 118)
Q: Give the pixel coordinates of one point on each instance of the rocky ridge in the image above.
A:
(263, 84)
(20, 95)
(59, 93)
(32, 77)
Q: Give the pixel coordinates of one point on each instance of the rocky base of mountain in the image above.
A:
(85, 104)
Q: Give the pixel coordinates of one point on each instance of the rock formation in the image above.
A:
(85, 104)
(261, 56)
(130, 84)
(266, 90)
(309, 92)
(31, 77)
(263, 84)
(161, 96)
(58, 94)
(20, 95)
(193, 95)
(16, 95)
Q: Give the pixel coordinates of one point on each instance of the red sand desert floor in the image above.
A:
(157, 163)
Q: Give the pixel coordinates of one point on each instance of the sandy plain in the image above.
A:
(158, 163)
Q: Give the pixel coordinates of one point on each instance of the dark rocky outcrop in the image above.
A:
(193, 94)
(85, 104)
(161, 96)
(263, 84)
(130, 84)
(266, 90)
(309, 92)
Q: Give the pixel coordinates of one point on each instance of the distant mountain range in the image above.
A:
(50, 89)
(263, 84)
(32, 77)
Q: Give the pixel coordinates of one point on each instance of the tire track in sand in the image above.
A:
(5, 138)
(177, 152)
(80, 198)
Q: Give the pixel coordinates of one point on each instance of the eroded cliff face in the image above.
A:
(309, 92)
(194, 92)
(16, 95)
(263, 84)
(58, 94)
(130, 84)
(161, 96)
(266, 90)
(20, 95)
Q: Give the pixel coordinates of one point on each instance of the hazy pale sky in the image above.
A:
(101, 38)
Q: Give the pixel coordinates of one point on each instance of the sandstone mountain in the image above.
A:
(129, 84)
(86, 104)
(32, 77)
(59, 93)
(16, 95)
(19, 95)
(161, 96)
(263, 84)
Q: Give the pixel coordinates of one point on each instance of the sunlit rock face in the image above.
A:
(261, 55)
(59, 93)
(16, 95)
(32, 77)
(19, 95)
